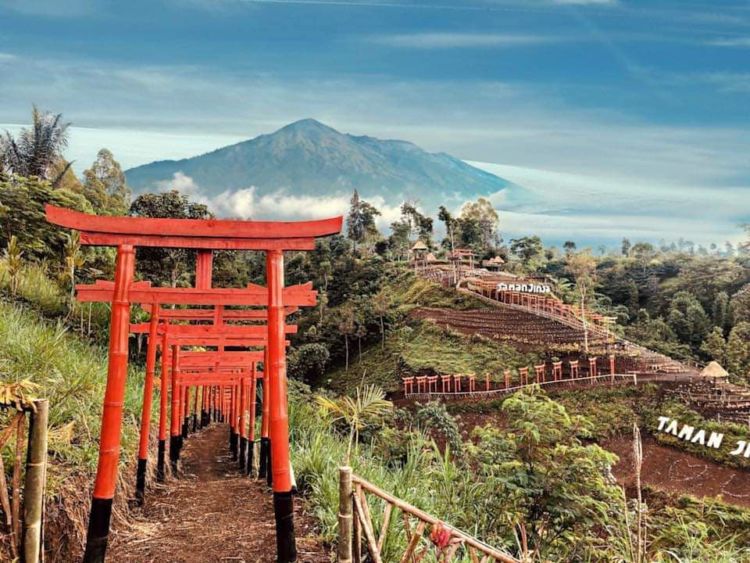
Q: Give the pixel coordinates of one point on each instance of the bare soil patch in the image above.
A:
(211, 513)
(674, 471)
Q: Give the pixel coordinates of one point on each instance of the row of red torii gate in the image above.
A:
(233, 330)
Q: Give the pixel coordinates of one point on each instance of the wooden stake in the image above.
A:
(16, 501)
(344, 549)
(36, 474)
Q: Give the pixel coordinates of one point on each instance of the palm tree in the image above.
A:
(35, 151)
(368, 407)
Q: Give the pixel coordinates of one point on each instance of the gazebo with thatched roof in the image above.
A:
(419, 250)
(494, 263)
(714, 370)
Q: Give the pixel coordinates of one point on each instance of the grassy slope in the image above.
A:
(413, 347)
(422, 348)
(72, 374)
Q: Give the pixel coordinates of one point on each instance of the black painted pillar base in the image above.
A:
(263, 459)
(195, 422)
(160, 473)
(140, 482)
(185, 427)
(98, 531)
(174, 453)
(233, 444)
(205, 418)
(250, 457)
(243, 452)
(286, 544)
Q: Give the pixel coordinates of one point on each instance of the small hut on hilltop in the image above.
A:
(715, 371)
(419, 251)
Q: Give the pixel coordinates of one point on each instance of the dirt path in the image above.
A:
(211, 513)
(680, 472)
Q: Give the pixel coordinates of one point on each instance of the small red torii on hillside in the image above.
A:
(127, 233)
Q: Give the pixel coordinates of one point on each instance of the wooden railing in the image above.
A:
(491, 393)
(356, 526)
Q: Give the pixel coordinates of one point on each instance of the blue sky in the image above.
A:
(654, 96)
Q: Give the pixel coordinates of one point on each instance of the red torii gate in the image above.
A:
(126, 233)
(172, 344)
(218, 333)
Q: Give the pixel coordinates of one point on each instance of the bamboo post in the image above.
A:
(16, 483)
(344, 550)
(36, 474)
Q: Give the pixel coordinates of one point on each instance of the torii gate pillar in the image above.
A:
(114, 395)
(286, 548)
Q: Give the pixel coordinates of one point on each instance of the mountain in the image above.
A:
(310, 158)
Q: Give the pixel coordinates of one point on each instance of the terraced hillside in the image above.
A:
(528, 330)
(522, 328)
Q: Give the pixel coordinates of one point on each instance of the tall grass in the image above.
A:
(425, 477)
(72, 375)
(36, 289)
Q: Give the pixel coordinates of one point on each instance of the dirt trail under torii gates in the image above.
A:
(211, 513)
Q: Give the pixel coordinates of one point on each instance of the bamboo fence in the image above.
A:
(356, 526)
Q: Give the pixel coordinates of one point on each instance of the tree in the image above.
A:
(159, 264)
(738, 350)
(582, 266)
(740, 304)
(399, 239)
(308, 362)
(380, 304)
(715, 347)
(482, 214)
(720, 313)
(626, 246)
(14, 259)
(346, 327)
(451, 224)
(539, 471)
(368, 408)
(105, 187)
(36, 150)
(360, 222)
(528, 249)
(569, 246)
(420, 225)
(688, 319)
(24, 200)
(74, 260)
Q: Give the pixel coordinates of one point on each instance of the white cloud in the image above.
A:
(52, 8)
(440, 40)
(728, 82)
(247, 203)
(555, 205)
(586, 2)
(730, 42)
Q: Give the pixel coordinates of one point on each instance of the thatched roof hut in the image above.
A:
(715, 370)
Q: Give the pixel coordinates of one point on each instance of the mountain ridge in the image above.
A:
(311, 158)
